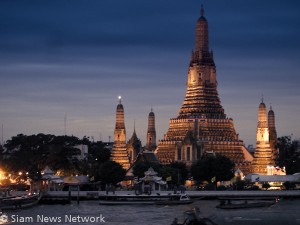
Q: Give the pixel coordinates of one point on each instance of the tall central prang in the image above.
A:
(201, 96)
(201, 126)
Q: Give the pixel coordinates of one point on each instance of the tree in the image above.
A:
(175, 170)
(219, 167)
(203, 169)
(141, 167)
(98, 153)
(181, 172)
(63, 158)
(224, 168)
(34, 173)
(167, 171)
(289, 156)
(111, 172)
(23, 153)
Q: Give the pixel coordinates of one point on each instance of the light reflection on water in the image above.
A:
(285, 211)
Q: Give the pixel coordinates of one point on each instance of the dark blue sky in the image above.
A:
(75, 57)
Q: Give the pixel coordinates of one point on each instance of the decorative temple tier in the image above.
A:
(120, 155)
(201, 126)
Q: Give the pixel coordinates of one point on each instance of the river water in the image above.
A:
(285, 212)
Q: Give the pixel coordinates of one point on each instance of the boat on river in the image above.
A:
(193, 217)
(246, 202)
(170, 199)
(19, 202)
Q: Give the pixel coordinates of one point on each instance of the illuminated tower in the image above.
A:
(201, 125)
(151, 133)
(119, 152)
(263, 155)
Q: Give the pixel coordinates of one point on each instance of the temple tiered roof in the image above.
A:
(202, 113)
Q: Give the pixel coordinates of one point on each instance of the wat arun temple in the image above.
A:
(201, 126)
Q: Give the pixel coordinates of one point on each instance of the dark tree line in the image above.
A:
(209, 169)
(289, 154)
(213, 169)
(33, 153)
(176, 172)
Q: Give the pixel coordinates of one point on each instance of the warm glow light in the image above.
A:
(58, 173)
(1, 175)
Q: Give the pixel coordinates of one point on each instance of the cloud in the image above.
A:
(76, 57)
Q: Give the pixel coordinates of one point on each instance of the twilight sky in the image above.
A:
(63, 57)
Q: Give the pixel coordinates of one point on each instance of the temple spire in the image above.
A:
(202, 33)
(202, 10)
(134, 145)
(263, 155)
(151, 132)
(272, 130)
(119, 152)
